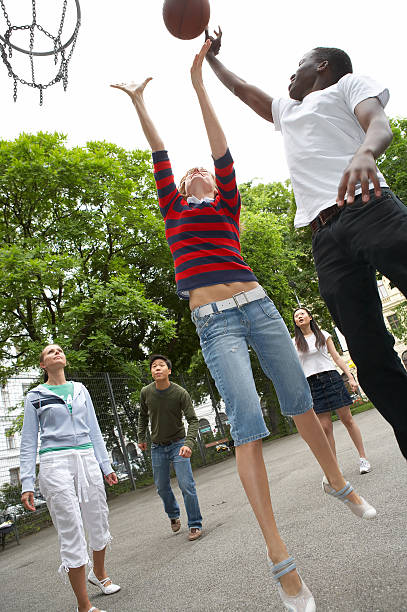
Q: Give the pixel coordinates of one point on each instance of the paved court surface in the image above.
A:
(351, 565)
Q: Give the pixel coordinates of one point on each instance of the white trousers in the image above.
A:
(72, 484)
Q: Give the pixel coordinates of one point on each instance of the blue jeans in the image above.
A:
(225, 338)
(161, 457)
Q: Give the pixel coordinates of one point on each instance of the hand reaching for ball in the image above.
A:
(216, 41)
(134, 90)
(196, 68)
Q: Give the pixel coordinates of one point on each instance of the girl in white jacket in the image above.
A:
(72, 455)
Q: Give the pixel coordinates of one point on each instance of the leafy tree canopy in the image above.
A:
(81, 243)
(84, 261)
(393, 163)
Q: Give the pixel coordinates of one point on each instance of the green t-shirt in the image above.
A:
(165, 409)
(65, 392)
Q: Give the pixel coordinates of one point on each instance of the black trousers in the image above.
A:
(348, 250)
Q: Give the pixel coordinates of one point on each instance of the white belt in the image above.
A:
(237, 300)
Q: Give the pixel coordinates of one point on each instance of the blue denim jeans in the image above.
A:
(161, 458)
(225, 339)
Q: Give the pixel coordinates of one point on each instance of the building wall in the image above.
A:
(11, 406)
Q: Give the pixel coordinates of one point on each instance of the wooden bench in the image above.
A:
(216, 442)
(226, 441)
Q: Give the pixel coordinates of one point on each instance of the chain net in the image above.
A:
(59, 50)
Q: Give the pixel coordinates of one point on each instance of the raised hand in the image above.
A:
(196, 68)
(134, 90)
(216, 41)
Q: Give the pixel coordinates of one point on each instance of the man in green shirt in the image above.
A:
(163, 404)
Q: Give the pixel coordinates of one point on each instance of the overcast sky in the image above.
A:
(263, 42)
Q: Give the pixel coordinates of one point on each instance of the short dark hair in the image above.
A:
(339, 61)
(163, 357)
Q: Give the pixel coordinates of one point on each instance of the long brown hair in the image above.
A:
(300, 341)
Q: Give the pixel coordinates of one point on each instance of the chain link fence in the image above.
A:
(116, 401)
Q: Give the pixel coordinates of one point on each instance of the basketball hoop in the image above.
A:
(59, 51)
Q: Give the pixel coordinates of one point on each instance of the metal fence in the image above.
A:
(116, 398)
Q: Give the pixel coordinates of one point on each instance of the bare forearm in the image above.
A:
(148, 126)
(255, 98)
(216, 136)
(373, 120)
(378, 137)
(227, 77)
(342, 364)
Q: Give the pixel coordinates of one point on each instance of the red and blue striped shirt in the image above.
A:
(203, 236)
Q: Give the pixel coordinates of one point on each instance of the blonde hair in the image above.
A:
(181, 187)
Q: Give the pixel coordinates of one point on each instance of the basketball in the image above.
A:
(186, 19)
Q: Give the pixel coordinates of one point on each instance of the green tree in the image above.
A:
(393, 163)
(81, 243)
(400, 331)
(280, 255)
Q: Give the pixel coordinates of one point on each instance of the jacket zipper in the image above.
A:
(72, 421)
(70, 414)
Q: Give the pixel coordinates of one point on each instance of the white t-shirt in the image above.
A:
(321, 135)
(315, 360)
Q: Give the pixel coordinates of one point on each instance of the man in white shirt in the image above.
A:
(334, 128)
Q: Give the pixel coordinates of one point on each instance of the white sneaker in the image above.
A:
(364, 465)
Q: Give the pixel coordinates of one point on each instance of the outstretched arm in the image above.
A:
(136, 93)
(216, 136)
(254, 97)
